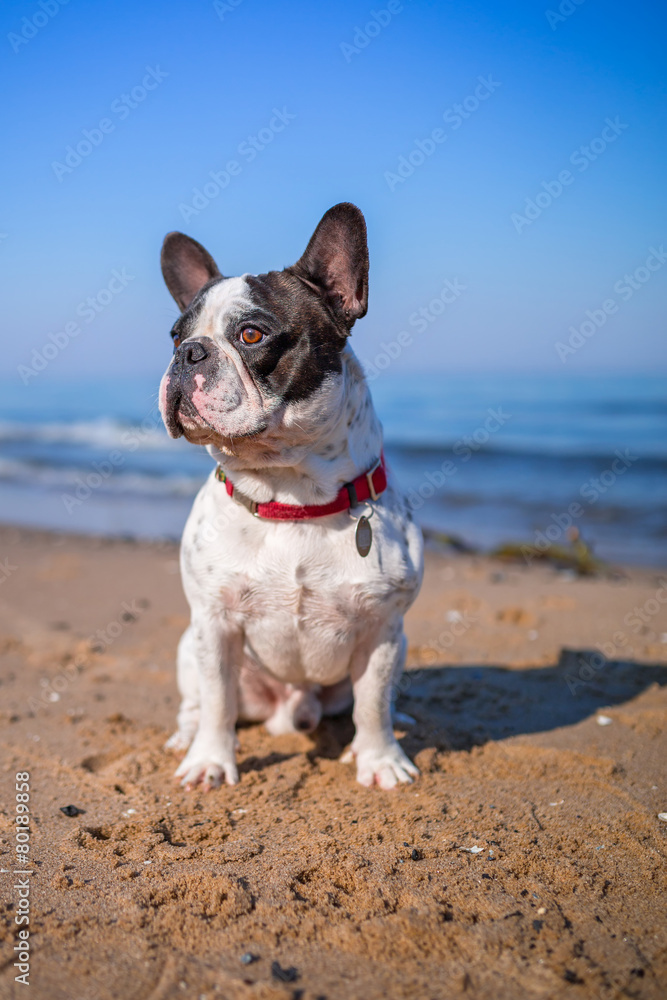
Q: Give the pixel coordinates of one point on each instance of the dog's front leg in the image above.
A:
(218, 649)
(375, 672)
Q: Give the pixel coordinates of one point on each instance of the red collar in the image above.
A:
(367, 486)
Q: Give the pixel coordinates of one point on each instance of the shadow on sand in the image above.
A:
(458, 707)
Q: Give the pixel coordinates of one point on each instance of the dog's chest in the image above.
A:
(303, 596)
(303, 628)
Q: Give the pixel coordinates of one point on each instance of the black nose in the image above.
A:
(304, 725)
(192, 352)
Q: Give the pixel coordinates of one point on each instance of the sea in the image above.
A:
(490, 459)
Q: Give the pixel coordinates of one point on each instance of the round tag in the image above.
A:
(363, 536)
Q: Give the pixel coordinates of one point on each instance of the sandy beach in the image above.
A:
(527, 861)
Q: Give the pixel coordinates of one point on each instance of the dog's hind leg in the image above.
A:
(188, 686)
(337, 698)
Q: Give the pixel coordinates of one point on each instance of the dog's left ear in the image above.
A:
(336, 262)
(186, 267)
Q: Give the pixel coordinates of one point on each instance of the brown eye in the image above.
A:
(251, 336)
(177, 342)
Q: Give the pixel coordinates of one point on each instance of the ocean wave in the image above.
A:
(104, 433)
(102, 477)
(653, 456)
(107, 435)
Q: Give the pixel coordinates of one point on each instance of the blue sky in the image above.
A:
(351, 105)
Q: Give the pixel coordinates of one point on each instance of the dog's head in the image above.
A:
(250, 351)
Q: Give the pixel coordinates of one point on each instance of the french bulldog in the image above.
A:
(300, 556)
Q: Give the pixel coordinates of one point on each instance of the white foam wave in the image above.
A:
(102, 477)
(100, 434)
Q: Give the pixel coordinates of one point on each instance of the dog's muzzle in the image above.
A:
(190, 359)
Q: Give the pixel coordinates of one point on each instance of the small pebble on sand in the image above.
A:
(604, 720)
(72, 810)
(663, 817)
(284, 975)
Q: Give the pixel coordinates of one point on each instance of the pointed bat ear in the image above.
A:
(186, 267)
(336, 262)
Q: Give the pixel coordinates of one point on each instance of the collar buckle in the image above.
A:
(245, 501)
(235, 494)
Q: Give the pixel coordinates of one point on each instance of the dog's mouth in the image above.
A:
(190, 423)
(210, 414)
(182, 419)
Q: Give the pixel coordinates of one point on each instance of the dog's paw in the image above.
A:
(206, 769)
(386, 766)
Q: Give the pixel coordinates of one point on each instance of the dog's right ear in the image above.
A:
(186, 267)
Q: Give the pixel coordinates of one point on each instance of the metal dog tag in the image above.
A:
(363, 536)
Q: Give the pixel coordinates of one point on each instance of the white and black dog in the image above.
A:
(300, 556)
